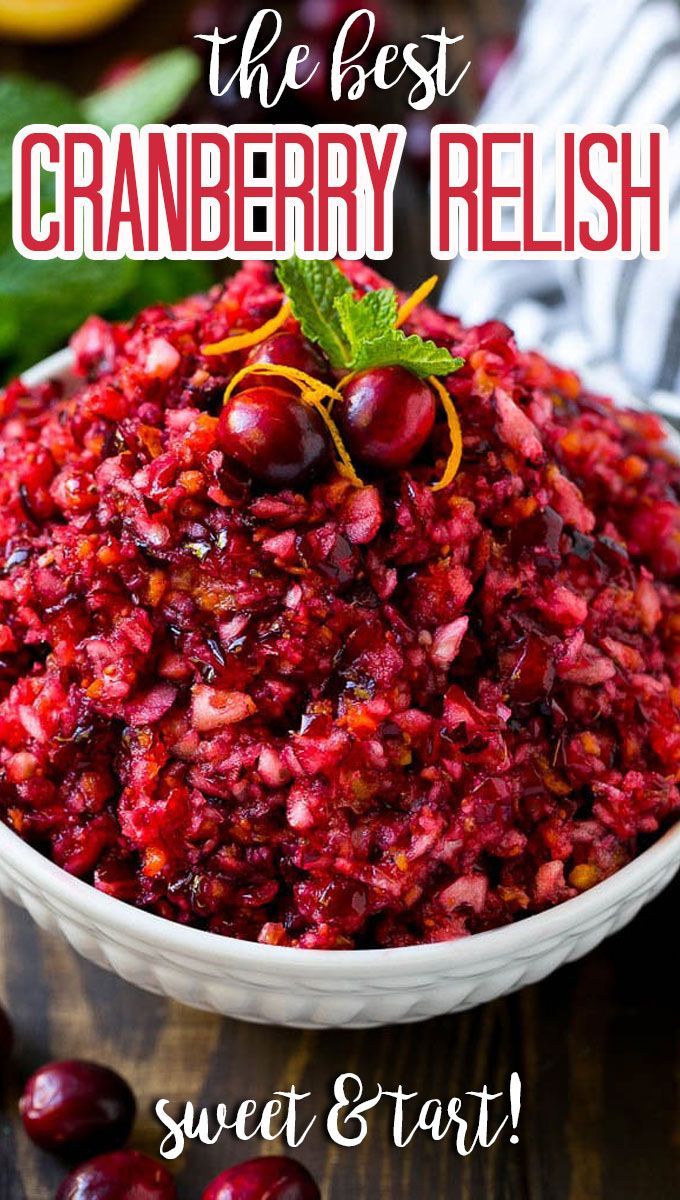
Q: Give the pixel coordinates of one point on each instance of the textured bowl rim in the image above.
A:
(74, 896)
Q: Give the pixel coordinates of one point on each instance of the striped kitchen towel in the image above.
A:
(590, 62)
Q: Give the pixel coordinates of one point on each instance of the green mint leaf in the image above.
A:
(394, 349)
(150, 94)
(356, 334)
(367, 318)
(25, 101)
(313, 287)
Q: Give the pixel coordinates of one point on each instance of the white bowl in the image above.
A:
(318, 988)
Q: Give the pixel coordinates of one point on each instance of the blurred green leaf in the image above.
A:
(151, 93)
(43, 302)
(25, 101)
(161, 282)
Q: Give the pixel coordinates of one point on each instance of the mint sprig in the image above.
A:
(365, 319)
(313, 288)
(356, 334)
(394, 349)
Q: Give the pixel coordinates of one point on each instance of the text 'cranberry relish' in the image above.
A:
(329, 715)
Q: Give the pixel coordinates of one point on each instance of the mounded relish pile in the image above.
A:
(337, 717)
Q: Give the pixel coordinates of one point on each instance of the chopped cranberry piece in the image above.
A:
(534, 671)
(340, 900)
(612, 553)
(543, 530)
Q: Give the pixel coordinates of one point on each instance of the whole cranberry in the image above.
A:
(6, 1038)
(77, 1107)
(289, 350)
(124, 1175)
(275, 1178)
(387, 417)
(275, 437)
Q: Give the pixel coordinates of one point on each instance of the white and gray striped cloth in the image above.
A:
(590, 62)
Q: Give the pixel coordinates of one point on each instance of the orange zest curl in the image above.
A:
(301, 379)
(456, 436)
(417, 298)
(340, 387)
(344, 464)
(312, 392)
(244, 341)
(346, 379)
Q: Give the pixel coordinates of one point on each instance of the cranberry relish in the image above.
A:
(334, 717)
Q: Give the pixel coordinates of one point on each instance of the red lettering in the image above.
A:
(89, 192)
(30, 193)
(300, 193)
(569, 211)
(493, 191)
(465, 191)
(379, 172)
(532, 243)
(217, 192)
(343, 192)
(608, 240)
(124, 193)
(650, 191)
(243, 244)
(165, 195)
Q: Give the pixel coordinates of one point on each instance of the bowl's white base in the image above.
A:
(308, 989)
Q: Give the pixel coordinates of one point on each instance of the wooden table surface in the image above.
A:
(597, 1045)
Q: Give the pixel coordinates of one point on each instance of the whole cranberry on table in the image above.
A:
(123, 1175)
(275, 1178)
(76, 1107)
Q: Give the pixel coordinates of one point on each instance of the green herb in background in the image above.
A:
(42, 302)
(151, 93)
